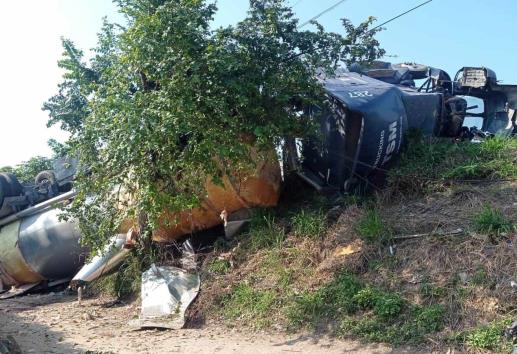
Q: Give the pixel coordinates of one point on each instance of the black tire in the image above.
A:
(45, 176)
(10, 185)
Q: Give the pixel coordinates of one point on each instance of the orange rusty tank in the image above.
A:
(258, 188)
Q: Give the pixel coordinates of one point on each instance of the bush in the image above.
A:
(388, 306)
(430, 318)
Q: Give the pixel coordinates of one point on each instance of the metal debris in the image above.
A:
(111, 257)
(166, 294)
(456, 232)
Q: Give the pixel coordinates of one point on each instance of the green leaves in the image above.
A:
(27, 171)
(167, 101)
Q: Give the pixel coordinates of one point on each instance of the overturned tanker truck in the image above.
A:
(363, 128)
(36, 247)
(369, 112)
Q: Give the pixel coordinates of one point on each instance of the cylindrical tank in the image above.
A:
(39, 247)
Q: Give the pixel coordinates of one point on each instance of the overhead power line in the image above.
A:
(322, 13)
(373, 29)
(296, 4)
(402, 14)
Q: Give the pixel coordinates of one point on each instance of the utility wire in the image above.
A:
(373, 29)
(296, 4)
(402, 14)
(322, 13)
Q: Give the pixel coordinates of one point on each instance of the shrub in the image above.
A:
(489, 337)
(388, 306)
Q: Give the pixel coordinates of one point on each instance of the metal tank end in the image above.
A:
(107, 261)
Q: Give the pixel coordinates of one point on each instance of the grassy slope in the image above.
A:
(324, 264)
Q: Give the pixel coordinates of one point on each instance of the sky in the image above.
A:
(444, 34)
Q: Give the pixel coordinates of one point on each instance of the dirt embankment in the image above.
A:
(56, 323)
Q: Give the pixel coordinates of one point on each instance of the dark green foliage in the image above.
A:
(167, 101)
(492, 222)
(339, 294)
(429, 318)
(126, 282)
(409, 328)
(388, 306)
(367, 312)
(328, 302)
(367, 297)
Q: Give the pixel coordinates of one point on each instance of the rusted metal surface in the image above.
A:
(258, 189)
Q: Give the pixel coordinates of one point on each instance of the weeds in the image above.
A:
(249, 305)
(310, 224)
(492, 222)
(403, 328)
(430, 293)
(124, 283)
(489, 337)
(219, 266)
(371, 228)
(480, 277)
(264, 232)
(428, 164)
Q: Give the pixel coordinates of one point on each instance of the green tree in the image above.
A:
(27, 171)
(7, 169)
(168, 101)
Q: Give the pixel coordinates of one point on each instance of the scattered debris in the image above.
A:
(166, 294)
(511, 332)
(456, 232)
(354, 247)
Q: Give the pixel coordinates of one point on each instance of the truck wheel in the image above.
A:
(45, 177)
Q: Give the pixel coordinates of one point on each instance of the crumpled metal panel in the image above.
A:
(167, 292)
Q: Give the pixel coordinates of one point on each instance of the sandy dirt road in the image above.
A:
(56, 323)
